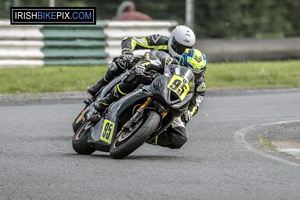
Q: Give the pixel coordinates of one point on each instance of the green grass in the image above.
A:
(48, 79)
(253, 74)
(221, 75)
(266, 142)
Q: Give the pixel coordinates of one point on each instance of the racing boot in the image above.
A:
(153, 141)
(114, 95)
(93, 89)
(105, 102)
(115, 68)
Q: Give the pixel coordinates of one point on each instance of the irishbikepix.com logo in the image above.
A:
(52, 15)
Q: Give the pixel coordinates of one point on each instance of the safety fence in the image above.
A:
(37, 45)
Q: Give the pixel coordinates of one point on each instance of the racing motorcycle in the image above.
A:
(136, 118)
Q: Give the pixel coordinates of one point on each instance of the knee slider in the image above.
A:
(113, 66)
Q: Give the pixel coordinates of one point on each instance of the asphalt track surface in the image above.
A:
(223, 158)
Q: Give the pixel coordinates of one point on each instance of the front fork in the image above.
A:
(149, 99)
(140, 111)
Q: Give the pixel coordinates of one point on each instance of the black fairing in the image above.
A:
(168, 97)
(127, 101)
(109, 86)
(159, 90)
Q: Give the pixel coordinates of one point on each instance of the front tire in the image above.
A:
(79, 140)
(79, 120)
(124, 145)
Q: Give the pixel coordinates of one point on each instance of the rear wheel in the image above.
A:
(128, 141)
(79, 140)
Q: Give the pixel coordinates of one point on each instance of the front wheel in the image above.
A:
(79, 120)
(127, 142)
(80, 138)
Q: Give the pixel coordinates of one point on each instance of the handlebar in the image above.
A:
(135, 60)
(151, 74)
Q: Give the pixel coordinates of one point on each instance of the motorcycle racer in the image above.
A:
(182, 37)
(175, 136)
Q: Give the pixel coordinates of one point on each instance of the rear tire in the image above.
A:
(79, 141)
(139, 135)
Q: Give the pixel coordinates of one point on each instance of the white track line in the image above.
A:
(239, 137)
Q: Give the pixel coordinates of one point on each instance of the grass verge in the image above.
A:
(253, 74)
(267, 142)
(218, 75)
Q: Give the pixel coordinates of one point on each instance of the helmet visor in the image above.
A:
(179, 48)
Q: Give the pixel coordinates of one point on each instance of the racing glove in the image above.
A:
(186, 117)
(127, 55)
(139, 69)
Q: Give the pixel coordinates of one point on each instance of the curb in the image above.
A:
(43, 96)
(286, 138)
(84, 94)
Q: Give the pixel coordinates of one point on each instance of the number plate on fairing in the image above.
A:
(107, 131)
(178, 86)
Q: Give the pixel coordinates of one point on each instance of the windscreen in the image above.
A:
(182, 80)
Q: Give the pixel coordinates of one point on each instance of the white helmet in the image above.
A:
(182, 37)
